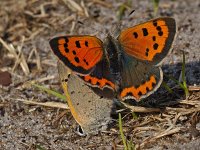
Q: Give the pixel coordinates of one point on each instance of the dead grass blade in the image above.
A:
(18, 55)
(37, 59)
(183, 111)
(103, 3)
(142, 109)
(187, 102)
(194, 88)
(46, 104)
(167, 132)
(73, 6)
(84, 9)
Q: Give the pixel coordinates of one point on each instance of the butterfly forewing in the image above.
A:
(150, 41)
(79, 53)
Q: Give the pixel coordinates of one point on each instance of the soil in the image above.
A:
(25, 29)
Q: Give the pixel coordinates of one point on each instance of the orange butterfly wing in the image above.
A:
(79, 53)
(150, 41)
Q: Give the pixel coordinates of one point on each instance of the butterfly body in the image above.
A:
(113, 54)
(126, 67)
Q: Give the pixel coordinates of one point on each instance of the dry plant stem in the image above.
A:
(38, 60)
(59, 117)
(73, 5)
(167, 132)
(143, 123)
(84, 9)
(34, 34)
(194, 88)
(15, 27)
(146, 128)
(20, 59)
(69, 19)
(176, 118)
(103, 3)
(183, 111)
(30, 55)
(142, 109)
(42, 14)
(49, 62)
(44, 79)
(47, 104)
(194, 102)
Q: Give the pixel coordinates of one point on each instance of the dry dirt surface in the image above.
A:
(25, 29)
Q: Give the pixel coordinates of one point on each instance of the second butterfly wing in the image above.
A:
(150, 41)
(91, 111)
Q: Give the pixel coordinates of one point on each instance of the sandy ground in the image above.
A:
(31, 24)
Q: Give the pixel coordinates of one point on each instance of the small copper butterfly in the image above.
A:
(126, 67)
(85, 105)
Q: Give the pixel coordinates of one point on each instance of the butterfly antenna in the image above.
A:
(131, 12)
(117, 28)
(80, 22)
(95, 31)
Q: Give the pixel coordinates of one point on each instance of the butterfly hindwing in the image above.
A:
(139, 79)
(100, 80)
(150, 41)
(79, 53)
(91, 111)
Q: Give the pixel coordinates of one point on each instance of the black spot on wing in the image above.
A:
(158, 28)
(154, 38)
(66, 50)
(160, 33)
(86, 43)
(129, 94)
(65, 45)
(145, 31)
(147, 52)
(76, 59)
(155, 23)
(78, 44)
(74, 52)
(66, 40)
(147, 89)
(153, 84)
(139, 93)
(85, 62)
(155, 46)
(98, 83)
(135, 35)
(90, 81)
